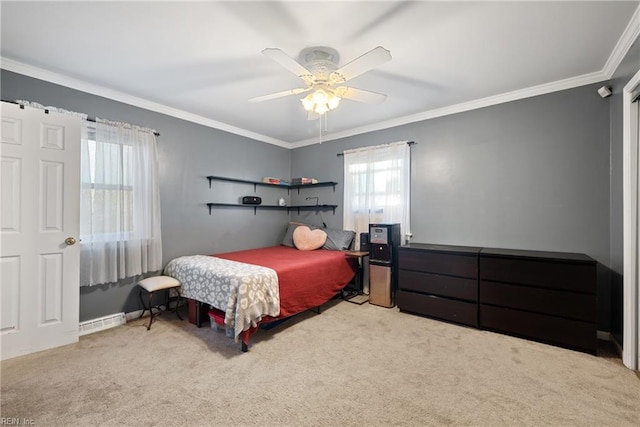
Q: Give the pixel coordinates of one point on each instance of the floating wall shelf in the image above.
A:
(287, 208)
(277, 207)
(264, 184)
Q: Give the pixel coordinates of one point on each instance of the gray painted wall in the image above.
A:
(626, 70)
(187, 154)
(530, 174)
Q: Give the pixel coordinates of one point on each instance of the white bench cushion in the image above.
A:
(155, 283)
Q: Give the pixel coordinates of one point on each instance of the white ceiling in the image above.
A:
(202, 61)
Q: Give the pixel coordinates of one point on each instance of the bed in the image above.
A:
(303, 280)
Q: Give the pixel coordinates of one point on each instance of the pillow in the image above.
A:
(306, 239)
(287, 240)
(338, 240)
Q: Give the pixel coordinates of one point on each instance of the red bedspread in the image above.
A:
(307, 279)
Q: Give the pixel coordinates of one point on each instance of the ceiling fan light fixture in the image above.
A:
(333, 101)
(320, 101)
(307, 102)
(320, 96)
(321, 108)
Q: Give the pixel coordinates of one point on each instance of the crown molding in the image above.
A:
(542, 89)
(52, 77)
(629, 36)
(94, 89)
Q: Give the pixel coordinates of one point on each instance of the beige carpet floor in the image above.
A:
(352, 365)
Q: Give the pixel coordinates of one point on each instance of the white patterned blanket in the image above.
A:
(245, 292)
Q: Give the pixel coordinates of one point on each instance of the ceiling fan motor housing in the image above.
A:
(321, 61)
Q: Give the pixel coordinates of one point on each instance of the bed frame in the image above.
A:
(307, 279)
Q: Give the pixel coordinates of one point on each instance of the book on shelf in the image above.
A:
(275, 181)
(303, 181)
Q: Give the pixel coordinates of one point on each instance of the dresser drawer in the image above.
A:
(566, 333)
(444, 286)
(545, 301)
(441, 308)
(461, 265)
(578, 277)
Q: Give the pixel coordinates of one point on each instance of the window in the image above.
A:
(120, 203)
(372, 199)
(377, 187)
(108, 192)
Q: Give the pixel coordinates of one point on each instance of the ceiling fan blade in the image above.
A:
(289, 63)
(360, 95)
(284, 93)
(360, 65)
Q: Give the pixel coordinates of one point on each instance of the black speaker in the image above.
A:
(364, 242)
(251, 200)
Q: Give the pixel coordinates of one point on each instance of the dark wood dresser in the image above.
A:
(543, 296)
(439, 281)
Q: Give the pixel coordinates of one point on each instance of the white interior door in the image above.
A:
(39, 211)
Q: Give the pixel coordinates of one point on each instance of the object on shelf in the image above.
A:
(303, 181)
(251, 200)
(275, 181)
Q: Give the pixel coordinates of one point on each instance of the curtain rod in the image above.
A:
(46, 111)
(409, 143)
(156, 133)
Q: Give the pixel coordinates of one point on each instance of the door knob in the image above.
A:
(70, 241)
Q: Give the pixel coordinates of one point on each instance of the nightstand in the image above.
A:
(351, 296)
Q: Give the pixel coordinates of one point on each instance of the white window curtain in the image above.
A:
(377, 187)
(120, 203)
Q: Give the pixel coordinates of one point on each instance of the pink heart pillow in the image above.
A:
(306, 239)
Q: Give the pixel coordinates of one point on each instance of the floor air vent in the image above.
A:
(102, 323)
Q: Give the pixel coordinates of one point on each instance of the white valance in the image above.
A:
(124, 125)
(374, 147)
(49, 108)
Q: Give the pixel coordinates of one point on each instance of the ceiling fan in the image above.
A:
(324, 80)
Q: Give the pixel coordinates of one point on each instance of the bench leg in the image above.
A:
(144, 307)
(178, 302)
(150, 311)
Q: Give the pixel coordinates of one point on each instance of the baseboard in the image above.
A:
(604, 335)
(101, 323)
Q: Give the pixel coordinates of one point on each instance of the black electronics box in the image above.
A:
(364, 242)
(251, 200)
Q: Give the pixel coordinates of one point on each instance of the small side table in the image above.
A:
(358, 297)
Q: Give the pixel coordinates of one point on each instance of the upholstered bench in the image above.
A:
(154, 284)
